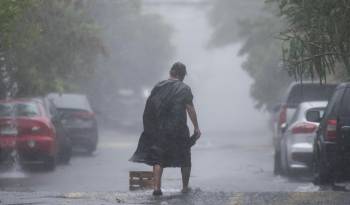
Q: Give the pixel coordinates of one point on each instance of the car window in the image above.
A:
(28, 109)
(345, 107)
(309, 92)
(295, 115)
(52, 108)
(314, 114)
(5, 110)
(333, 104)
(23, 109)
(70, 101)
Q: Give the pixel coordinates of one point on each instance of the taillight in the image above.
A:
(283, 115)
(36, 129)
(84, 115)
(304, 127)
(40, 130)
(331, 130)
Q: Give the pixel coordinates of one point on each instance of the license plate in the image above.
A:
(7, 143)
(81, 123)
(8, 131)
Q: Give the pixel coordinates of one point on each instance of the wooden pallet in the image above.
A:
(140, 180)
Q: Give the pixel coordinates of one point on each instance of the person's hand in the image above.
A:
(197, 133)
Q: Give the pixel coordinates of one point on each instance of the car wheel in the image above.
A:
(92, 146)
(50, 163)
(285, 163)
(321, 174)
(277, 163)
(66, 154)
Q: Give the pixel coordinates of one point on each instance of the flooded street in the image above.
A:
(228, 168)
(229, 162)
(233, 161)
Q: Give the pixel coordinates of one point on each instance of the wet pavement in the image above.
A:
(228, 168)
(198, 197)
(222, 161)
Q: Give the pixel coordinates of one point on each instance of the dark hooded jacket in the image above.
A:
(165, 139)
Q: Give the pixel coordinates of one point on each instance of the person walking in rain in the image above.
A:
(165, 141)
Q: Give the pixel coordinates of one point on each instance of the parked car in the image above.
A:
(296, 94)
(63, 138)
(332, 143)
(27, 127)
(78, 119)
(297, 140)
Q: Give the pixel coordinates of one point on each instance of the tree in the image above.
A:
(46, 45)
(100, 48)
(139, 53)
(263, 62)
(317, 39)
(253, 25)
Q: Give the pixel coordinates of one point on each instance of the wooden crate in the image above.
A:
(140, 180)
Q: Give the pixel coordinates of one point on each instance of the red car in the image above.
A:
(25, 126)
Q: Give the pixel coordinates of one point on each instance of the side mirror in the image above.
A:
(284, 127)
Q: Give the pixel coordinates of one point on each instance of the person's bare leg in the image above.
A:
(157, 175)
(185, 172)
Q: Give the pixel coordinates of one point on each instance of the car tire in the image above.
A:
(65, 144)
(286, 170)
(66, 154)
(290, 172)
(321, 173)
(50, 163)
(277, 163)
(92, 146)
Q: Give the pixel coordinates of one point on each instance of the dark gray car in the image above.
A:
(332, 143)
(78, 119)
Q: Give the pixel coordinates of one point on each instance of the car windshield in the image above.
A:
(70, 101)
(6, 110)
(22, 109)
(309, 92)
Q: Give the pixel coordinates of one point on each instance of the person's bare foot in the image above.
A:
(157, 193)
(186, 190)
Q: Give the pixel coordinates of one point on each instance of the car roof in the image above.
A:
(313, 104)
(70, 101)
(309, 83)
(308, 91)
(13, 100)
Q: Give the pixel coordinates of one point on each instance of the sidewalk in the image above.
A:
(173, 197)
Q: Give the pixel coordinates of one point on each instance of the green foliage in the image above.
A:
(139, 54)
(263, 62)
(317, 37)
(89, 46)
(46, 46)
(249, 23)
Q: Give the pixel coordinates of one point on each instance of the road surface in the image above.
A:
(228, 168)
